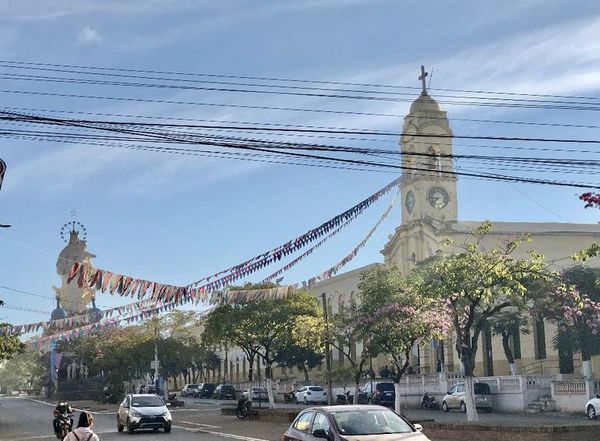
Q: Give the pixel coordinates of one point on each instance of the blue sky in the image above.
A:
(175, 219)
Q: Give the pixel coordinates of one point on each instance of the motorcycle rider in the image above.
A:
(62, 407)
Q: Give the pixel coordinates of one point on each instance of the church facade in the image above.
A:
(430, 217)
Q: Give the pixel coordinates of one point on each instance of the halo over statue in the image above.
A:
(73, 227)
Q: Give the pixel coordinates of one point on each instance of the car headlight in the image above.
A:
(135, 413)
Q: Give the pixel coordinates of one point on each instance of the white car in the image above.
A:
(592, 407)
(143, 411)
(188, 390)
(311, 394)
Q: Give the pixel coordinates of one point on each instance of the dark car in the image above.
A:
(337, 423)
(224, 392)
(383, 393)
(205, 390)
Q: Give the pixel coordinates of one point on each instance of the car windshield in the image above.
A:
(316, 388)
(154, 401)
(385, 386)
(192, 386)
(369, 422)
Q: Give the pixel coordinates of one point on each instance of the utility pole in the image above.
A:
(327, 354)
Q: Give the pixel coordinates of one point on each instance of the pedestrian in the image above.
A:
(84, 429)
(384, 372)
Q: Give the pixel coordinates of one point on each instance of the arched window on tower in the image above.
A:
(435, 159)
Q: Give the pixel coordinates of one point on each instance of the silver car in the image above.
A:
(455, 398)
(143, 411)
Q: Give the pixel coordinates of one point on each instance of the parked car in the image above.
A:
(383, 392)
(143, 411)
(455, 398)
(147, 389)
(224, 392)
(311, 394)
(592, 407)
(205, 390)
(188, 390)
(361, 422)
(259, 394)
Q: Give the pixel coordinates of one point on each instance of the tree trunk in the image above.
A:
(508, 352)
(470, 399)
(270, 393)
(356, 389)
(397, 398)
(586, 358)
(305, 370)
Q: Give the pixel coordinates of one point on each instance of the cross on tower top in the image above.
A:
(422, 78)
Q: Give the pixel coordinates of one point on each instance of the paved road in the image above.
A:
(24, 419)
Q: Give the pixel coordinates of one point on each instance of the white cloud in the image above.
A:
(89, 35)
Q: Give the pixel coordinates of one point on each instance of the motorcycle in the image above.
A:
(429, 402)
(344, 398)
(64, 424)
(244, 405)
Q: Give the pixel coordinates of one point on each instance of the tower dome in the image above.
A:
(59, 313)
(424, 104)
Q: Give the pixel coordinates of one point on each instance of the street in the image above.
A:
(24, 419)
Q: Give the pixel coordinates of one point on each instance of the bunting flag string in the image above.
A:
(45, 342)
(233, 296)
(276, 254)
(69, 322)
(349, 257)
(305, 254)
(115, 283)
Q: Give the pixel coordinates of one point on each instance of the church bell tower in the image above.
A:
(429, 185)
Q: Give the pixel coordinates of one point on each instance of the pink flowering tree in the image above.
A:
(578, 317)
(346, 333)
(476, 284)
(397, 318)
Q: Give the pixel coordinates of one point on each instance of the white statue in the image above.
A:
(72, 298)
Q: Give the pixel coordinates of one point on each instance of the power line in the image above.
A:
(92, 69)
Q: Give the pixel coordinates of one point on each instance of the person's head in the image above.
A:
(85, 419)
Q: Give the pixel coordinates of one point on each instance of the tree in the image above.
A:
(24, 371)
(578, 319)
(397, 317)
(476, 284)
(265, 327)
(507, 324)
(10, 344)
(346, 329)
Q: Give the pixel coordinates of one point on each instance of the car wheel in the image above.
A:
(463, 407)
(120, 427)
(445, 407)
(130, 428)
(295, 400)
(305, 401)
(167, 428)
(591, 412)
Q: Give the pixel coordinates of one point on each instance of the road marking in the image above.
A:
(208, 426)
(223, 434)
(45, 436)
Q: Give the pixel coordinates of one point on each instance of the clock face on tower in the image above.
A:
(438, 197)
(410, 201)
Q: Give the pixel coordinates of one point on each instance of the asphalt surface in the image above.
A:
(23, 419)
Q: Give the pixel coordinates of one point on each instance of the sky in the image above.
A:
(175, 219)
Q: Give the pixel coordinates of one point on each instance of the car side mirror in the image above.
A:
(598, 396)
(320, 433)
(418, 427)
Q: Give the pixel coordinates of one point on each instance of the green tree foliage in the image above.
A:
(265, 327)
(26, 370)
(9, 345)
(477, 284)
